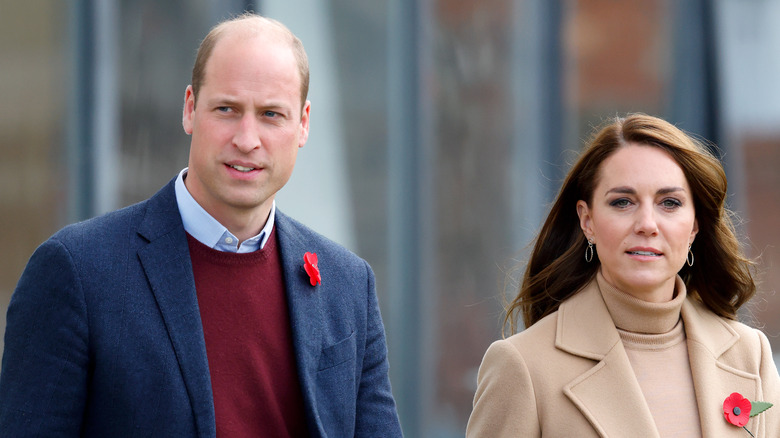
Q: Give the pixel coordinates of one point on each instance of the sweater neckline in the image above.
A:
(633, 315)
(232, 258)
(653, 342)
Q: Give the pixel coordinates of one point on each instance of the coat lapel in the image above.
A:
(709, 338)
(304, 303)
(585, 329)
(608, 394)
(166, 262)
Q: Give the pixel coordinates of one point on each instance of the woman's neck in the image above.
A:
(634, 315)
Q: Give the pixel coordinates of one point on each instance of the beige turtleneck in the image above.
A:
(654, 339)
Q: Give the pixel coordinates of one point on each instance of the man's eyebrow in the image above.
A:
(223, 99)
(229, 100)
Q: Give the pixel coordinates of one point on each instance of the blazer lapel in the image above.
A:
(166, 262)
(608, 394)
(304, 303)
(708, 339)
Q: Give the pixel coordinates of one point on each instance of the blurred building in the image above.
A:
(440, 132)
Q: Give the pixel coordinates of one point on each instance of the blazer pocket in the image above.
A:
(338, 353)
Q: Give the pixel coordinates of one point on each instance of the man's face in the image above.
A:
(246, 128)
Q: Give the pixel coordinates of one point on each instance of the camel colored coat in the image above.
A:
(569, 376)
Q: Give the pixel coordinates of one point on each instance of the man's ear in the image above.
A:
(188, 113)
(305, 113)
(583, 211)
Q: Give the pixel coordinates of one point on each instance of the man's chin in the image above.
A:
(249, 202)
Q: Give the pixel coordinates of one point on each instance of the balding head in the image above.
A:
(250, 25)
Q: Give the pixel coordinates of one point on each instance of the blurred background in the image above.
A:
(440, 132)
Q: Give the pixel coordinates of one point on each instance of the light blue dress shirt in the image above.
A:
(208, 231)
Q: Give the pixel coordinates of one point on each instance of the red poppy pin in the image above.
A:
(310, 265)
(738, 410)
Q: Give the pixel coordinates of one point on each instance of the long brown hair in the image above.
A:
(721, 276)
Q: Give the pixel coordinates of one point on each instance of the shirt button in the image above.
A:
(228, 240)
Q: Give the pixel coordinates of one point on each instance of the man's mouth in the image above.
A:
(241, 168)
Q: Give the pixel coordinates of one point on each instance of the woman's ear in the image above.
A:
(694, 231)
(583, 211)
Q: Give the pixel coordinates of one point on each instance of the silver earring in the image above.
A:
(689, 259)
(589, 251)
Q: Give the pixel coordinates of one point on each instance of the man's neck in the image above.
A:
(243, 223)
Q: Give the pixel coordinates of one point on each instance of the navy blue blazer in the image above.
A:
(104, 337)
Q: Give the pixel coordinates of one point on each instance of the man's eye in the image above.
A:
(270, 114)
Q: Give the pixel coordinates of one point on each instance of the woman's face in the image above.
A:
(641, 220)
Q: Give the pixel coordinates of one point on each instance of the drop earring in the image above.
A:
(589, 251)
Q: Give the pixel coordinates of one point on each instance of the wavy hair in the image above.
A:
(721, 278)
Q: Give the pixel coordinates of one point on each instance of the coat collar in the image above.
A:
(166, 262)
(305, 306)
(709, 340)
(585, 329)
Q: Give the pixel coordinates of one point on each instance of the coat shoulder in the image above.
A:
(157, 214)
(752, 344)
(734, 343)
(540, 334)
(113, 238)
(103, 226)
(302, 236)
(535, 346)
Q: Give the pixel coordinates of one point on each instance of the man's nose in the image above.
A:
(247, 136)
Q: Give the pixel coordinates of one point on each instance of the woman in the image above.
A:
(630, 301)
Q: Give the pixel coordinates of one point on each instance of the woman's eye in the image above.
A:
(671, 203)
(622, 202)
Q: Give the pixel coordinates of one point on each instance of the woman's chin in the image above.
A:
(651, 287)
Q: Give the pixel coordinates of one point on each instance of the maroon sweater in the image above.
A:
(249, 346)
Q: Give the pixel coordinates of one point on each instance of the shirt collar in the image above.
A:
(208, 231)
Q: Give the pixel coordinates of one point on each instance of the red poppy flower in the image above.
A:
(736, 409)
(310, 265)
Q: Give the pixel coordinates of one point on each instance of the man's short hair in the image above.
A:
(253, 23)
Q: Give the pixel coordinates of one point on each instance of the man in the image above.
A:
(197, 312)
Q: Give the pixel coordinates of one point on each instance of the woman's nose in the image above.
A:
(646, 221)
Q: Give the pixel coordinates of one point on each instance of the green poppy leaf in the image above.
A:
(759, 407)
